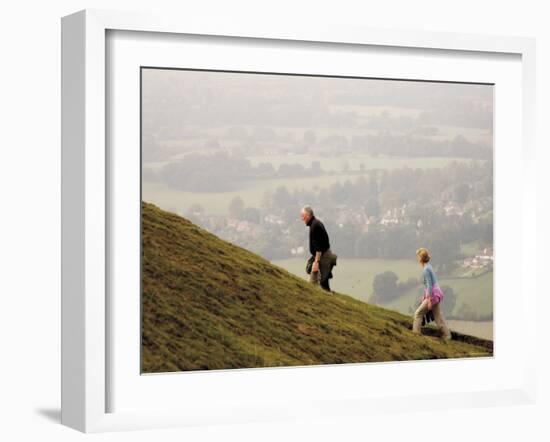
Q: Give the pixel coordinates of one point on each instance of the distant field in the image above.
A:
(481, 329)
(216, 203)
(354, 161)
(472, 134)
(295, 133)
(478, 292)
(369, 111)
(355, 276)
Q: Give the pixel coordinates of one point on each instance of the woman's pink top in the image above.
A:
(437, 294)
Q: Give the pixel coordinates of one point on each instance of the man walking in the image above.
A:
(322, 260)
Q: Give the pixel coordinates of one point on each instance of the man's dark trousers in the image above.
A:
(326, 263)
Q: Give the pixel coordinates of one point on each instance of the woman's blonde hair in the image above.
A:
(424, 254)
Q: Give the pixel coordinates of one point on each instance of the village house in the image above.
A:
(240, 226)
(480, 260)
(452, 208)
(273, 219)
(393, 216)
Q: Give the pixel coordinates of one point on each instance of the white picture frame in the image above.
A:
(87, 355)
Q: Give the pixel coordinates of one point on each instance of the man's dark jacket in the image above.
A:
(318, 236)
(319, 242)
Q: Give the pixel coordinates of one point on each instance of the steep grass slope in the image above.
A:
(208, 304)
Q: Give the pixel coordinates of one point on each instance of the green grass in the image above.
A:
(208, 304)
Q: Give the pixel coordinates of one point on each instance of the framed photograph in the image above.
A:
(264, 223)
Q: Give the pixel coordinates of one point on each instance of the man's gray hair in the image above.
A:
(308, 210)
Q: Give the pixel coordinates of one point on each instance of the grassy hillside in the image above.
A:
(207, 304)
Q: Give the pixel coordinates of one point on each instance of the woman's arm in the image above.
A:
(429, 286)
(428, 275)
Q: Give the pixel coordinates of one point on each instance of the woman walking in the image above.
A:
(433, 296)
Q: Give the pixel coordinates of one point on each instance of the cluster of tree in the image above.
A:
(220, 171)
(382, 190)
(237, 210)
(206, 173)
(386, 287)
